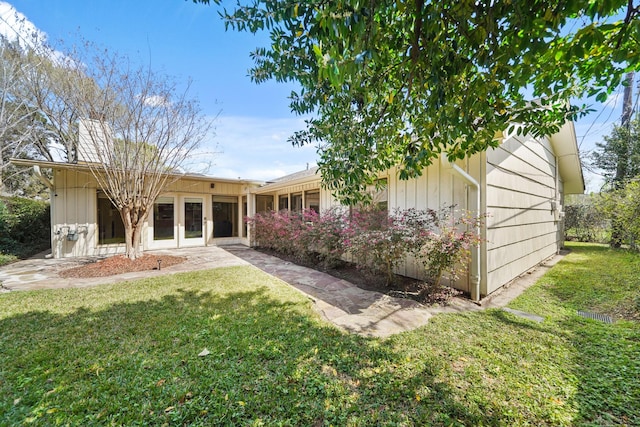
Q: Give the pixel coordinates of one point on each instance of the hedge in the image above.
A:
(25, 226)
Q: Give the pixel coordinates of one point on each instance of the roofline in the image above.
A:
(565, 146)
(85, 167)
(274, 186)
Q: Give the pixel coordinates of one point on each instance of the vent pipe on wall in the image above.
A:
(476, 264)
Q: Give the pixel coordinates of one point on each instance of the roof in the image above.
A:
(86, 168)
(565, 146)
(296, 175)
(302, 177)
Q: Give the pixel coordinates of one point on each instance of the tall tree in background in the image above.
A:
(618, 157)
(398, 82)
(17, 117)
(138, 129)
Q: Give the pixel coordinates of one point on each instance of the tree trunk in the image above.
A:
(617, 229)
(132, 230)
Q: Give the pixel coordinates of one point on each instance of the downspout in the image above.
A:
(42, 178)
(469, 180)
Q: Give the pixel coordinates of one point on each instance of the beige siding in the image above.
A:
(74, 208)
(435, 188)
(522, 229)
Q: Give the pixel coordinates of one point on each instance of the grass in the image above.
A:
(7, 259)
(127, 354)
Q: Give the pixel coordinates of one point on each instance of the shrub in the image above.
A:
(583, 220)
(447, 249)
(25, 226)
(379, 242)
(623, 208)
(326, 236)
(285, 232)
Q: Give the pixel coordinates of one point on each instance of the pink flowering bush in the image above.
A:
(446, 249)
(326, 236)
(378, 242)
(284, 232)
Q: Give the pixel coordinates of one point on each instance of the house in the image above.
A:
(520, 186)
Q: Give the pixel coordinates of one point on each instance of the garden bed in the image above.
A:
(401, 287)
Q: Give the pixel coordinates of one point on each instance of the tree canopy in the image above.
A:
(618, 157)
(399, 82)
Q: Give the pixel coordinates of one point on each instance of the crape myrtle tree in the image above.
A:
(396, 82)
(138, 130)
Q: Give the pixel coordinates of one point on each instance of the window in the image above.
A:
(312, 200)
(296, 202)
(245, 212)
(264, 203)
(110, 226)
(225, 216)
(192, 218)
(283, 202)
(380, 194)
(163, 219)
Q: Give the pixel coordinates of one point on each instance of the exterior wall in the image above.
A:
(523, 228)
(437, 187)
(74, 208)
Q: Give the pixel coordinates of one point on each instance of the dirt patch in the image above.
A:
(401, 287)
(120, 264)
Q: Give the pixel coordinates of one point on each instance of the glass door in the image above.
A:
(193, 222)
(164, 223)
(225, 216)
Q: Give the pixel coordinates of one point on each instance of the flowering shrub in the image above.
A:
(447, 248)
(377, 241)
(326, 235)
(284, 232)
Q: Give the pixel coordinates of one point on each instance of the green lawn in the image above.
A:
(127, 354)
(6, 259)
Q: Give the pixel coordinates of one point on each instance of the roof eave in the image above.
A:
(565, 147)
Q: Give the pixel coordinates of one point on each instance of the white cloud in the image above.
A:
(257, 148)
(16, 27)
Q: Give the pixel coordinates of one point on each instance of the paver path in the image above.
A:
(346, 305)
(349, 307)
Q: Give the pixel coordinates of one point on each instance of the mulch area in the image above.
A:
(120, 264)
(402, 286)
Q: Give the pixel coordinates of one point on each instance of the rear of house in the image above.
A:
(520, 186)
(194, 210)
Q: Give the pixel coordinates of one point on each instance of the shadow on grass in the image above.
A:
(269, 362)
(605, 358)
(607, 364)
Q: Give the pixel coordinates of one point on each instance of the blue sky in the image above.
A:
(187, 40)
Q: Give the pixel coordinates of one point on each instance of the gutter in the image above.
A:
(469, 180)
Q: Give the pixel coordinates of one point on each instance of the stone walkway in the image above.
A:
(342, 303)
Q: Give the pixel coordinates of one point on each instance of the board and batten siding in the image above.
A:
(436, 188)
(74, 207)
(522, 228)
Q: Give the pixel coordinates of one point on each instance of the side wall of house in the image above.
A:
(74, 216)
(523, 195)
